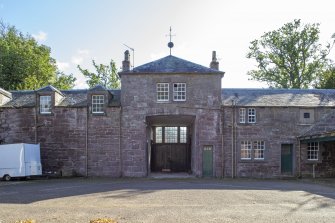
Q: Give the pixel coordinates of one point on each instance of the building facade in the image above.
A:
(172, 115)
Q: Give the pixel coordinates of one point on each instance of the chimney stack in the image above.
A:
(214, 64)
(126, 62)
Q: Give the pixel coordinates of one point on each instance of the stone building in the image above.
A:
(173, 116)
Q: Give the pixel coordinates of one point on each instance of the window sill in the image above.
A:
(252, 161)
(98, 113)
(46, 113)
(313, 161)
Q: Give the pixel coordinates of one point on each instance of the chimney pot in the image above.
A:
(214, 64)
(126, 62)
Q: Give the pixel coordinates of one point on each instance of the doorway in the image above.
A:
(287, 159)
(207, 161)
(171, 150)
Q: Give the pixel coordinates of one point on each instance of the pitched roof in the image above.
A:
(6, 93)
(98, 87)
(72, 98)
(321, 128)
(278, 97)
(172, 64)
(48, 89)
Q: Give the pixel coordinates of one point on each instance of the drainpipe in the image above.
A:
(299, 144)
(86, 140)
(36, 111)
(120, 152)
(222, 154)
(232, 139)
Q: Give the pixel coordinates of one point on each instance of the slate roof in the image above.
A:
(279, 97)
(48, 89)
(172, 64)
(72, 98)
(322, 128)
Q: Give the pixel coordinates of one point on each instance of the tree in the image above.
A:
(327, 79)
(106, 75)
(289, 57)
(63, 81)
(24, 64)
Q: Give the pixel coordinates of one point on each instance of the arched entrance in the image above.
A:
(170, 146)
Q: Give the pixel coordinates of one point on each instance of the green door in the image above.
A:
(286, 159)
(207, 161)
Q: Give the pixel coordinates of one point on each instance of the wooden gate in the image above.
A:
(170, 158)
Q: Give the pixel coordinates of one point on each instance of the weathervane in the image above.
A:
(170, 44)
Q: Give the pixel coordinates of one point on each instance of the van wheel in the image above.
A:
(6, 177)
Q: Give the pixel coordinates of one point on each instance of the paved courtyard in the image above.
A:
(166, 200)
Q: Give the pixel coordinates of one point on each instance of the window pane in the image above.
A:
(97, 103)
(245, 150)
(171, 134)
(242, 115)
(45, 104)
(159, 135)
(306, 115)
(162, 92)
(313, 151)
(259, 147)
(183, 134)
(251, 115)
(179, 92)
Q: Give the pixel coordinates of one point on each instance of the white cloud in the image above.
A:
(63, 66)
(41, 36)
(80, 56)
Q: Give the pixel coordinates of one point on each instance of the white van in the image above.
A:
(20, 160)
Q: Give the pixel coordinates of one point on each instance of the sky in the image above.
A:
(79, 31)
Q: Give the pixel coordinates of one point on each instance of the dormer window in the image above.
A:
(98, 102)
(179, 92)
(45, 104)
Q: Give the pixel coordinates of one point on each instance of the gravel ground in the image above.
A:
(167, 200)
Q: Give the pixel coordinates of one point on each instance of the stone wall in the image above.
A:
(17, 125)
(62, 138)
(139, 101)
(275, 126)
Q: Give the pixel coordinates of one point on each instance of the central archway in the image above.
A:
(170, 148)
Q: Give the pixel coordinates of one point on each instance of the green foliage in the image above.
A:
(63, 81)
(327, 79)
(106, 75)
(24, 64)
(289, 57)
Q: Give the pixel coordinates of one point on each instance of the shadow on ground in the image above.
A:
(25, 192)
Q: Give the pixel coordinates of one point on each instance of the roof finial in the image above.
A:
(170, 44)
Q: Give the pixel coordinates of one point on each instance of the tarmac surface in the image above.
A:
(167, 200)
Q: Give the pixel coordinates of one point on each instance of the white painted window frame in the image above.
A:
(98, 102)
(251, 115)
(246, 146)
(162, 92)
(313, 147)
(45, 104)
(259, 146)
(179, 92)
(242, 115)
